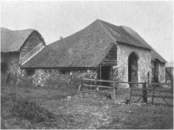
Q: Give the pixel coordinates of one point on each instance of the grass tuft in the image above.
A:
(24, 109)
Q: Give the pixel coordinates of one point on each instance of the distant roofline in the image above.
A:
(26, 38)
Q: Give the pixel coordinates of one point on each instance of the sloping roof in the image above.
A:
(12, 41)
(86, 48)
(156, 55)
(169, 73)
(126, 35)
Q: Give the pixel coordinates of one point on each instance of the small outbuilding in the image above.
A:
(169, 72)
(17, 47)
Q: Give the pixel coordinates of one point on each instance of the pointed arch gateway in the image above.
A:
(133, 68)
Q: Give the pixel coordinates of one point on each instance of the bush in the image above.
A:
(27, 110)
(54, 80)
(31, 111)
(75, 82)
(25, 81)
(62, 80)
(3, 78)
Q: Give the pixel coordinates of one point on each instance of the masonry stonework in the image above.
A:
(13, 67)
(161, 73)
(54, 77)
(144, 63)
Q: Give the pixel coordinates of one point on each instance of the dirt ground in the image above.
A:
(93, 112)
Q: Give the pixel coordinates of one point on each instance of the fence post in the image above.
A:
(130, 95)
(96, 84)
(154, 86)
(144, 93)
(81, 85)
(172, 85)
(114, 90)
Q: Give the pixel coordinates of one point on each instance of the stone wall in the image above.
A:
(13, 66)
(161, 69)
(144, 62)
(55, 78)
(41, 77)
(162, 73)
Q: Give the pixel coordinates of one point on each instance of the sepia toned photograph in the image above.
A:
(87, 64)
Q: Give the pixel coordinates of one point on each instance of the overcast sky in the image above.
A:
(152, 20)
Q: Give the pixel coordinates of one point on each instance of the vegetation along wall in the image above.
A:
(58, 78)
(13, 71)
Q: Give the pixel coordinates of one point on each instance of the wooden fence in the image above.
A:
(149, 90)
(95, 85)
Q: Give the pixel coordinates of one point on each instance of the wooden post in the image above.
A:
(153, 93)
(100, 74)
(144, 93)
(81, 85)
(96, 85)
(114, 90)
(130, 95)
(172, 85)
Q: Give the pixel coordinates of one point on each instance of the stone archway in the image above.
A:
(133, 68)
(155, 71)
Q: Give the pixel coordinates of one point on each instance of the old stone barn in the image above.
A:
(100, 50)
(17, 47)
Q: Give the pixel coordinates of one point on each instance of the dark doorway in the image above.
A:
(156, 72)
(104, 74)
(133, 68)
(3, 68)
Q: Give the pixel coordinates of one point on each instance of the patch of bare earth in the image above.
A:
(88, 113)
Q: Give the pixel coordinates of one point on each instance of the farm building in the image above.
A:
(158, 67)
(169, 72)
(100, 50)
(17, 47)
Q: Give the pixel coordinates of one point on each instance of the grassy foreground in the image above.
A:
(31, 108)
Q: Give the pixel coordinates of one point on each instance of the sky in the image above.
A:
(152, 20)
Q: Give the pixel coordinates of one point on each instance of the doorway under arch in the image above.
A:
(133, 68)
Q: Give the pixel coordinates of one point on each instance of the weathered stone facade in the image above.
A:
(161, 72)
(119, 71)
(11, 59)
(54, 77)
(144, 62)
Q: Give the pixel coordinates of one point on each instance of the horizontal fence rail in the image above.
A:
(148, 89)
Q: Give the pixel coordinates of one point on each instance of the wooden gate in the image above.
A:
(95, 86)
(152, 90)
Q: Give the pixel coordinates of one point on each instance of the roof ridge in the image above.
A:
(27, 29)
(132, 36)
(108, 32)
(103, 25)
(129, 35)
(13, 41)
